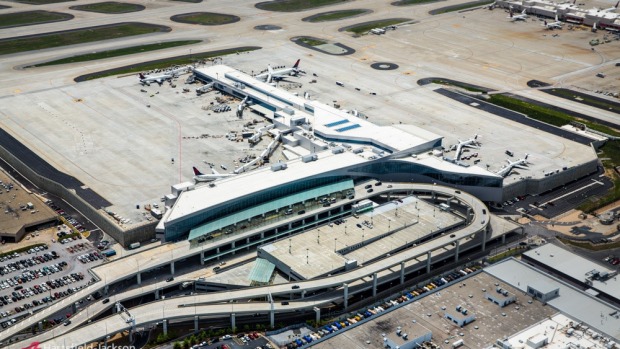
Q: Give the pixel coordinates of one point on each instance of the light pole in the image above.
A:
(307, 258)
(335, 240)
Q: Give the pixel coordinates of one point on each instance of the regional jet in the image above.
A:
(280, 73)
(469, 143)
(201, 177)
(522, 17)
(555, 25)
(611, 8)
(521, 163)
(146, 80)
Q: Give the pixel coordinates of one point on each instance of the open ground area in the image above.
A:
(125, 144)
(144, 131)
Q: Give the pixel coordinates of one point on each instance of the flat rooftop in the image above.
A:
(248, 183)
(576, 267)
(571, 301)
(561, 332)
(319, 251)
(14, 213)
(492, 322)
(327, 121)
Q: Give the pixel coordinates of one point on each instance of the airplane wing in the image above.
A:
(521, 167)
(214, 171)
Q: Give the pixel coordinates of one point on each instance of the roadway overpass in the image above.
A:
(215, 303)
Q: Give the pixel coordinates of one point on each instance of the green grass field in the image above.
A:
(41, 2)
(111, 7)
(460, 7)
(32, 17)
(365, 27)
(583, 98)
(165, 63)
(118, 52)
(412, 2)
(336, 15)
(205, 18)
(79, 36)
(312, 41)
(589, 246)
(295, 5)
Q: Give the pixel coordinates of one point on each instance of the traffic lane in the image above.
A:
(566, 203)
(514, 116)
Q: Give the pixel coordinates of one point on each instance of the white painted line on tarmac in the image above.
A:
(574, 191)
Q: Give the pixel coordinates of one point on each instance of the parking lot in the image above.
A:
(43, 275)
(239, 341)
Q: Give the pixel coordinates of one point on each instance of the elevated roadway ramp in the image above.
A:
(129, 267)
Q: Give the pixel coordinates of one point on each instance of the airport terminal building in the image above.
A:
(331, 150)
(336, 150)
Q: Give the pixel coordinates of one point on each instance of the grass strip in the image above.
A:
(295, 5)
(412, 2)
(117, 52)
(41, 2)
(78, 36)
(110, 7)
(165, 63)
(460, 7)
(334, 16)
(585, 99)
(366, 27)
(468, 87)
(205, 18)
(545, 114)
(32, 17)
(590, 246)
(312, 41)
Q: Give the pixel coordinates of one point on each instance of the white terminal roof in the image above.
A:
(334, 123)
(326, 121)
(446, 166)
(244, 184)
(575, 266)
(571, 301)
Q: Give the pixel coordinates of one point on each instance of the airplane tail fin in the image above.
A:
(556, 18)
(297, 63)
(618, 3)
(141, 76)
(270, 75)
(545, 23)
(523, 12)
(196, 172)
(526, 155)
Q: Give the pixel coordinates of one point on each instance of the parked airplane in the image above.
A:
(469, 143)
(204, 88)
(167, 75)
(522, 17)
(555, 25)
(146, 80)
(201, 177)
(611, 8)
(280, 73)
(521, 163)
